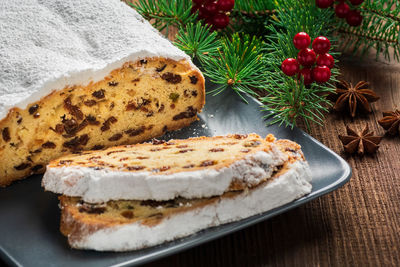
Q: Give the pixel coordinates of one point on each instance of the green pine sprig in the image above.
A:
(198, 41)
(166, 13)
(239, 65)
(380, 30)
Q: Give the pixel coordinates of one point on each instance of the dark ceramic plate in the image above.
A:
(29, 217)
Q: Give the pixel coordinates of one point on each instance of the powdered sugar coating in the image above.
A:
(104, 185)
(289, 186)
(46, 45)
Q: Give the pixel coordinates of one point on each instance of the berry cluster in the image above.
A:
(307, 58)
(215, 13)
(342, 10)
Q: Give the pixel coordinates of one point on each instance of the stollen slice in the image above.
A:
(191, 168)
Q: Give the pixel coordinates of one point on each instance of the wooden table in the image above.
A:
(357, 225)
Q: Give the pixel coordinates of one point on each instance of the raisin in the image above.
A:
(240, 136)
(136, 80)
(135, 168)
(6, 134)
(143, 61)
(144, 109)
(174, 97)
(97, 147)
(155, 204)
(151, 113)
(92, 209)
(162, 169)
(92, 120)
(49, 144)
(172, 78)
(22, 166)
(112, 83)
(99, 94)
(62, 162)
(216, 150)
(94, 157)
(36, 115)
(59, 129)
(19, 120)
(114, 151)
(90, 102)
(72, 109)
(106, 124)
(135, 132)
(33, 109)
(188, 166)
(127, 214)
(36, 168)
(70, 126)
(160, 69)
(141, 157)
(189, 113)
(115, 137)
(123, 159)
(112, 105)
(186, 93)
(252, 144)
(76, 142)
(182, 146)
(172, 106)
(157, 142)
(155, 149)
(194, 93)
(185, 150)
(161, 108)
(193, 79)
(208, 163)
(130, 106)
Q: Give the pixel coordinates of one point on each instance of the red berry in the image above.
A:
(356, 2)
(354, 18)
(290, 66)
(326, 60)
(301, 40)
(198, 2)
(342, 9)
(307, 76)
(220, 20)
(321, 74)
(225, 5)
(323, 3)
(321, 45)
(211, 8)
(306, 57)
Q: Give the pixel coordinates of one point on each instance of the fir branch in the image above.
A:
(197, 40)
(379, 30)
(239, 64)
(254, 6)
(166, 13)
(287, 98)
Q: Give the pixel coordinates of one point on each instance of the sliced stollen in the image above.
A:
(131, 224)
(191, 168)
(85, 76)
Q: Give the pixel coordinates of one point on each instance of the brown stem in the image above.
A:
(378, 12)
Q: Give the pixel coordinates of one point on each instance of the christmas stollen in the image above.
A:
(121, 225)
(79, 75)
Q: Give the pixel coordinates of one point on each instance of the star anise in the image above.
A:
(350, 97)
(360, 143)
(391, 122)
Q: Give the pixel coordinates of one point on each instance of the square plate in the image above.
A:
(29, 225)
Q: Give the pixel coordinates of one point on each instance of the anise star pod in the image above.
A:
(391, 122)
(365, 142)
(352, 97)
